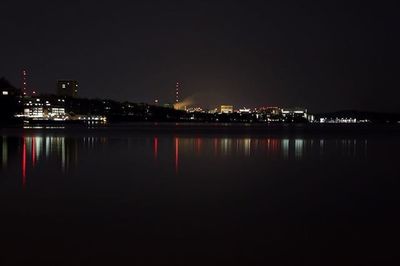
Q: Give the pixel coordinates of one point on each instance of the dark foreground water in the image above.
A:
(199, 196)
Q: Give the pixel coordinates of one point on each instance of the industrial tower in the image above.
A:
(24, 86)
(177, 87)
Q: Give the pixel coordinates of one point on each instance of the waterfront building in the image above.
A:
(44, 108)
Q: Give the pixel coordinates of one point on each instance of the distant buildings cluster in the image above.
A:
(66, 106)
(263, 114)
(342, 120)
(34, 107)
(18, 105)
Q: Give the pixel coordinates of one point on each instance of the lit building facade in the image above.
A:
(226, 109)
(269, 114)
(244, 110)
(294, 114)
(44, 108)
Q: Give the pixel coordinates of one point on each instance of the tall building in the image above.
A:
(67, 88)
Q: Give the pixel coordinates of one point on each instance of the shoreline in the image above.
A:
(209, 129)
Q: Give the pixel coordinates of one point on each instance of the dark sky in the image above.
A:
(324, 55)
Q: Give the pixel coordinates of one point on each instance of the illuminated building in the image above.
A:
(213, 111)
(244, 110)
(33, 109)
(226, 109)
(44, 108)
(343, 120)
(273, 111)
(194, 110)
(67, 88)
(294, 114)
(91, 118)
(269, 114)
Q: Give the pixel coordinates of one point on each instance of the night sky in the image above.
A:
(325, 56)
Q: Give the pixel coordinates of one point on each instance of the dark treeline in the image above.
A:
(10, 103)
(141, 112)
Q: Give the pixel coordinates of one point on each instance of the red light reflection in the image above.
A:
(176, 155)
(24, 164)
(155, 148)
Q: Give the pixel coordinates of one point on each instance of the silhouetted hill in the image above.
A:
(5, 84)
(8, 103)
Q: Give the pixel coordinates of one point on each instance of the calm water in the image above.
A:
(124, 196)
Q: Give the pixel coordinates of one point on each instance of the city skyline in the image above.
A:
(199, 132)
(321, 55)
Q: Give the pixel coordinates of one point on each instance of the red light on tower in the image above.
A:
(24, 82)
(155, 148)
(177, 92)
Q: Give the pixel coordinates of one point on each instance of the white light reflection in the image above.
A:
(4, 152)
(285, 148)
(247, 147)
(298, 148)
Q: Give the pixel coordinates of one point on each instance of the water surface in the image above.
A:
(127, 196)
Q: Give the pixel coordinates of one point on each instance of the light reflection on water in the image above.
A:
(65, 151)
(4, 153)
(159, 193)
